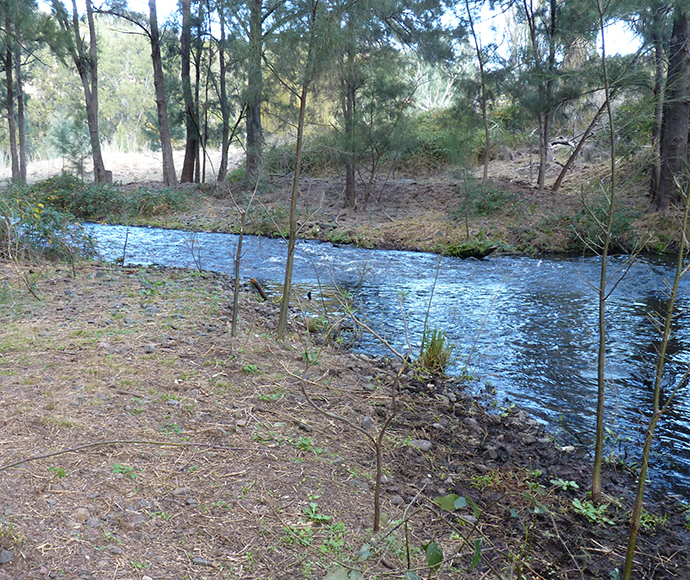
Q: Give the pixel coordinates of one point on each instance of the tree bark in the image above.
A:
(659, 82)
(255, 137)
(191, 123)
(224, 109)
(674, 132)
(21, 134)
(90, 82)
(169, 174)
(11, 122)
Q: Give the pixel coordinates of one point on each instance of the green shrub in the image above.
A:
(588, 233)
(484, 201)
(30, 228)
(101, 202)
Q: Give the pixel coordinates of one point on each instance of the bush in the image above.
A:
(318, 155)
(588, 234)
(484, 201)
(100, 202)
(29, 228)
(440, 138)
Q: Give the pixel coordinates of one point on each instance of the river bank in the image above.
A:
(229, 472)
(446, 213)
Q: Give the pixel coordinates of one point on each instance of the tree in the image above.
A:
(310, 35)
(674, 129)
(169, 174)
(86, 61)
(191, 117)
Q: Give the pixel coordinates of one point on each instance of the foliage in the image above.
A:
(595, 514)
(436, 353)
(436, 139)
(87, 201)
(485, 201)
(588, 231)
(30, 227)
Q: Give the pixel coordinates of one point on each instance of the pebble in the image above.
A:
(202, 562)
(366, 423)
(173, 402)
(81, 514)
(182, 491)
(421, 444)
(5, 556)
(397, 499)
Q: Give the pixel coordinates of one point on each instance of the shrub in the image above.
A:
(99, 202)
(30, 228)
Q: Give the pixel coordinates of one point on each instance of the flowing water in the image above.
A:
(526, 328)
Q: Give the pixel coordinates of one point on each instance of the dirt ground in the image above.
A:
(141, 440)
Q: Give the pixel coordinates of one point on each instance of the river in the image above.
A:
(525, 328)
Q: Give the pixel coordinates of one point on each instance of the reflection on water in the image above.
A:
(525, 326)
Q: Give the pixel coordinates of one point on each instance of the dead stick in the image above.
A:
(258, 287)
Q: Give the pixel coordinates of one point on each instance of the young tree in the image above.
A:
(311, 35)
(86, 60)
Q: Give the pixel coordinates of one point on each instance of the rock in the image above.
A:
(5, 556)
(81, 514)
(366, 423)
(421, 444)
(192, 502)
(202, 562)
(305, 427)
(567, 449)
(182, 491)
(173, 402)
(150, 349)
(491, 453)
(471, 422)
(94, 522)
(397, 499)
(528, 439)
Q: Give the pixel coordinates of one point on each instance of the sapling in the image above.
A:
(658, 408)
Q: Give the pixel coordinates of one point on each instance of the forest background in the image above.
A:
(392, 86)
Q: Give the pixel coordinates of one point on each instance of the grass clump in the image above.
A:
(436, 353)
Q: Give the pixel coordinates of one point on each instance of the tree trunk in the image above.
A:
(659, 78)
(169, 174)
(191, 124)
(348, 116)
(99, 173)
(21, 135)
(674, 133)
(255, 137)
(224, 109)
(11, 122)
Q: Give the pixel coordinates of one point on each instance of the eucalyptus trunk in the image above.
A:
(254, 92)
(191, 123)
(169, 174)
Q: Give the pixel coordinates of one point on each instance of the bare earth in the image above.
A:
(142, 441)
